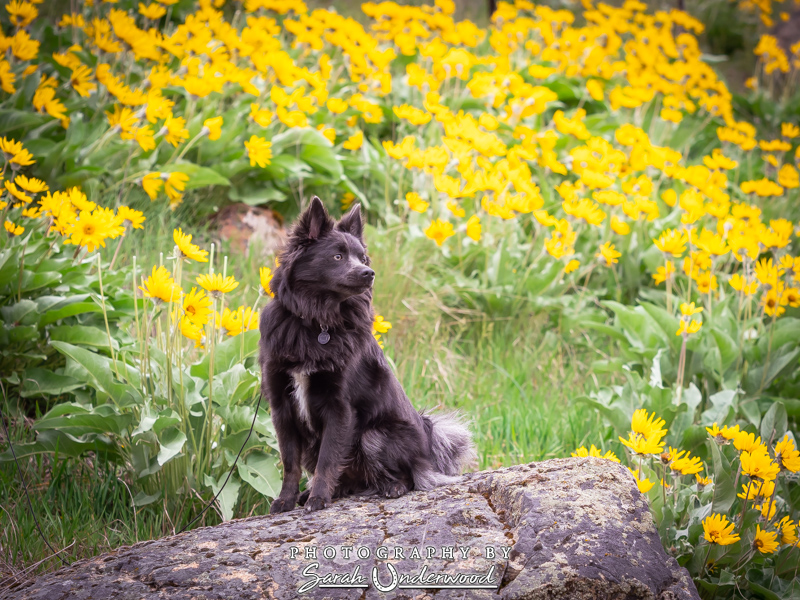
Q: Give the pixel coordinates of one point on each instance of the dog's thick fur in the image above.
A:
(338, 410)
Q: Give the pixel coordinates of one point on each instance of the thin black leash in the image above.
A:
(27, 495)
(214, 499)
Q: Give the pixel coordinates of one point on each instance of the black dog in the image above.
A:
(337, 408)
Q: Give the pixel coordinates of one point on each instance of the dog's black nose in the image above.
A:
(367, 274)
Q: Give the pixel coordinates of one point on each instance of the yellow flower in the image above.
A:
(176, 183)
(702, 481)
(608, 254)
(186, 248)
(439, 231)
(644, 485)
(647, 425)
(474, 229)
(788, 529)
(572, 265)
(380, 325)
(91, 230)
(687, 327)
(151, 183)
(757, 489)
(259, 150)
(687, 465)
(746, 442)
(130, 218)
(672, 241)
(740, 284)
(595, 452)
(216, 285)
(261, 116)
(21, 13)
(197, 307)
(787, 455)
(595, 89)
(328, 132)
(336, 105)
(32, 185)
(192, 331)
(213, 127)
(265, 274)
(664, 273)
(13, 229)
(643, 445)
(619, 226)
(354, 142)
(724, 435)
(18, 194)
(175, 130)
(152, 11)
(160, 286)
(759, 464)
(765, 542)
(689, 309)
(416, 203)
(718, 530)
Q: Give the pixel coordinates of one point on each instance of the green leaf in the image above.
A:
(171, 443)
(775, 420)
(227, 354)
(142, 499)
(48, 441)
(230, 493)
(198, 176)
(260, 470)
(16, 313)
(37, 381)
(721, 404)
(83, 335)
(70, 310)
(724, 492)
(322, 158)
(98, 373)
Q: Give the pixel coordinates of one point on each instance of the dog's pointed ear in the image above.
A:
(314, 222)
(352, 222)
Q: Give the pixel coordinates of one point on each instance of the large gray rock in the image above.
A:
(570, 528)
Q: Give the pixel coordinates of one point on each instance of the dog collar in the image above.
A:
(324, 337)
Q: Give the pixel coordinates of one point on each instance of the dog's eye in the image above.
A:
(364, 258)
(337, 257)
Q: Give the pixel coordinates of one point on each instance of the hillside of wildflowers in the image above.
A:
(584, 169)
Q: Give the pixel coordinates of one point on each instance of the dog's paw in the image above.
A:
(394, 490)
(280, 505)
(316, 503)
(303, 498)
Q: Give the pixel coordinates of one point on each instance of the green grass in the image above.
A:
(512, 376)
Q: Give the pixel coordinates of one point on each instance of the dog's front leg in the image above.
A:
(275, 385)
(337, 439)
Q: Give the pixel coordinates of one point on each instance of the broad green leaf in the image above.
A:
(228, 353)
(39, 381)
(774, 420)
(19, 311)
(70, 310)
(171, 442)
(198, 176)
(724, 492)
(261, 472)
(50, 441)
(142, 499)
(83, 335)
(722, 404)
(230, 493)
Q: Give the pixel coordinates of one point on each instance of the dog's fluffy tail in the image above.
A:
(451, 450)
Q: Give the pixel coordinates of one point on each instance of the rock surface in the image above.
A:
(564, 528)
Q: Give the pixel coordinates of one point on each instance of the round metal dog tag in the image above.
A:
(324, 337)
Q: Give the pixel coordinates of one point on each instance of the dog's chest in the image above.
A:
(300, 395)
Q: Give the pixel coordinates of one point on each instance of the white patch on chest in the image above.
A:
(300, 395)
